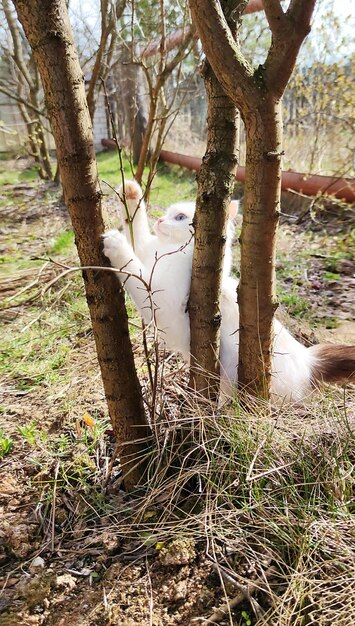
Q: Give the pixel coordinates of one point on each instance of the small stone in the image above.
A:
(110, 542)
(86, 571)
(180, 551)
(180, 591)
(66, 581)
(37, 564)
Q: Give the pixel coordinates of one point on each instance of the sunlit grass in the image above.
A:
(167, 181)
(63, 243)
(14, 176)
(36, 355)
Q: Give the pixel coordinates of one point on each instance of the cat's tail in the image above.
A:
(332, 363)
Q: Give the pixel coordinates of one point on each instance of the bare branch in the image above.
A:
(24, 101)
(16, 42)
(286, 43)
(162, 45)
(228, 63)
(180, 56)
(171, 41)
(300, 14)
(109, 17)
(274, 15)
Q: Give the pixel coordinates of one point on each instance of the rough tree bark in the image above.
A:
(215, 179)
(46, 25)
(257, 93)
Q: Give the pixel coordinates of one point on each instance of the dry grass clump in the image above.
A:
(320, 589)
(267, 496)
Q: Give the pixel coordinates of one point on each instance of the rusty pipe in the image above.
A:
(310, 185)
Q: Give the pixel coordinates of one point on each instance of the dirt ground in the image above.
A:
(67, 555)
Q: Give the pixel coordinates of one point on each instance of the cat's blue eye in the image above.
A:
(180, 217)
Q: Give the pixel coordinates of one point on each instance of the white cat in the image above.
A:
(157, 275)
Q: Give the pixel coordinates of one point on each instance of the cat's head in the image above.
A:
(176, 225)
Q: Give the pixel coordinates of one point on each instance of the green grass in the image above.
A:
(6, 444)
(13, 176)
(35, 348)
(331, 276)
(339, 248)
(329, 322)
(31, 433)
(167, 180)
(15, 262)
(63, 243)
(173, 184)
(317, 258)
(108, 165)
(296, 305)
(37, 356)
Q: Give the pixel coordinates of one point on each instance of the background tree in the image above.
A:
(257, 92)
(151, 71)
(160, 105)
(148, 69)
(110, 13)
(22, 84)
(319, 100)
(47, 28)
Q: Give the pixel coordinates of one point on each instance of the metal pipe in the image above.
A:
(310, 185)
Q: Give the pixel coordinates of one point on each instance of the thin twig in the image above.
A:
(54, 504)
(245, 594)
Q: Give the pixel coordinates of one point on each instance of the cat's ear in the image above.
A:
(233, 208)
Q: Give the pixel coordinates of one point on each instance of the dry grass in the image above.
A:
(268, 495)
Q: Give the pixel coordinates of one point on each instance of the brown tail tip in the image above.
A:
(333, 364)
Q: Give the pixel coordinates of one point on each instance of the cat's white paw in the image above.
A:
(114, 243)
(134, 198)
(132, 190)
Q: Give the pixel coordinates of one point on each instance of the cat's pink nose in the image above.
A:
(160, 220)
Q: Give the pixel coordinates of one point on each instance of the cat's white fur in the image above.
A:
(163, 262)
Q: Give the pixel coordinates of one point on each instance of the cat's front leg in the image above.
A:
(131, 271)
(117, 249)
(134, 215)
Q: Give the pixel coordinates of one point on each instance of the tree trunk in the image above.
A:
(148, 131)
(256, 291)
(257, 93)
(46, 25)
(43, 150)
(215, 184)
(131, 103)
